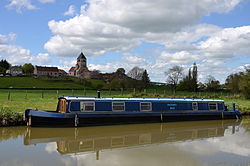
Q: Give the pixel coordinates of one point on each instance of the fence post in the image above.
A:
(109, 91)
(9, 95)
(134, 91)
(122, 91)
(42, 94)
(26, 95)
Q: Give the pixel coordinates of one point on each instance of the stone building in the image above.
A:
(62, 73)
(43, 71)
(81, 69)
(14, 71)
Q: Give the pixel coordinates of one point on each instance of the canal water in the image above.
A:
(218, 143)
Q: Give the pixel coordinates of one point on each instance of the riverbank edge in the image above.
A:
(11, 118)
(8, 122)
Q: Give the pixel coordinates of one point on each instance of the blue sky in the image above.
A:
(115, 33)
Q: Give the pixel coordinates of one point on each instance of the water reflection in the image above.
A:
(96, 139)
(188, 143)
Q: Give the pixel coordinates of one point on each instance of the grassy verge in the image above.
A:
(49, 83)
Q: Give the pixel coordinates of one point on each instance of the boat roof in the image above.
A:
(81, 98)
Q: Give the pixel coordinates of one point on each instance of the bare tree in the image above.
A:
(174, 74)
(136, 73)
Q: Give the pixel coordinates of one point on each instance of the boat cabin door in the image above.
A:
(61, 106)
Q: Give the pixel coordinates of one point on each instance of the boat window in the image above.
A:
(118, 106)
(195, 106)
(87, 106)
(145, 106)
(212, 106)
(74, 106)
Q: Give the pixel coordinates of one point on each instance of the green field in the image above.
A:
(20, 93)
(19, 100)
(49, 83)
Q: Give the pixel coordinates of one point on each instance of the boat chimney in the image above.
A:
(234, 107)
(98, 93)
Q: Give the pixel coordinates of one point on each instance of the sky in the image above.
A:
(155, 35)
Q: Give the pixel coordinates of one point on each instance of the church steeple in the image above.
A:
(81, 56)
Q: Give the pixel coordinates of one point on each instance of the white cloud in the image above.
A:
(182, 57)
(240, 68)
(155, 16)
(116, 25)
(83, 8)
(109, 67)
(133, 60)
(71, 11)
(7, 38)
(19, 5)
(227, 43)
(17, 55)
(7, 49)
(47, 1)
(95, 38)
(39, 59)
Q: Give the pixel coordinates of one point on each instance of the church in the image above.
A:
(81, 69)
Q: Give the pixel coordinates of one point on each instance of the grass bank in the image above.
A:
(49, 83)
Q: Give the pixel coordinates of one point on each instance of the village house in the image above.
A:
(44, 71)
(62, 73)
(14, 71)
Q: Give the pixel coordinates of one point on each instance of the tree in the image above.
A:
(136, 73)
(190, 81)
(194, 79)
(173, 76)
(120, 71)
(145, 78)
(2, 70)
(245, 84)
(5, 65)
(233, 82)
(212, 84)
(117, 83)
(28, 68)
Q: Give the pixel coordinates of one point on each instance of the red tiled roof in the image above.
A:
(62, 71)
(49, 69)
(72, 69)
(86, 70)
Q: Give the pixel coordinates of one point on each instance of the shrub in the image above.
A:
(9, 117)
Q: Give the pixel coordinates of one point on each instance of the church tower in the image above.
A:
(81, 65)
(81, 62)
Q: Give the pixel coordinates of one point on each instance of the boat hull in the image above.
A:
(54, 119)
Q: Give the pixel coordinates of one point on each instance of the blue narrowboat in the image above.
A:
(93, 111)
